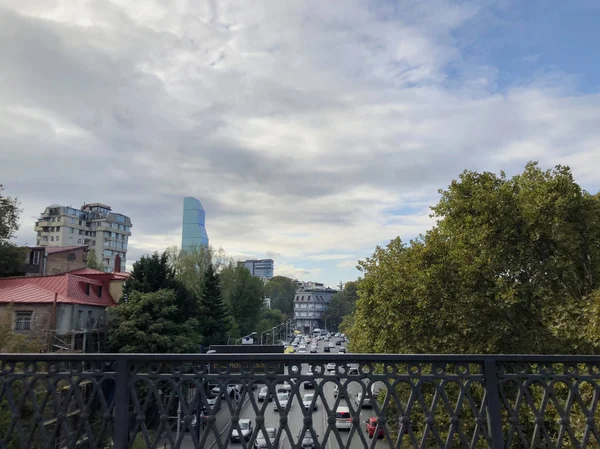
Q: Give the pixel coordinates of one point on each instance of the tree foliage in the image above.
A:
(281, 290)
(243, 295)
(11, 256)
(508, 268)
(214, 319)
(92, 260)
(151, 323)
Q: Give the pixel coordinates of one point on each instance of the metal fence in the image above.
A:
(358, 400)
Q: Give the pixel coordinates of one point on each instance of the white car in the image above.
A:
(331, 366)
(216, 390)
(261, 439)
(283, 399)
(264, 395)
(343, 419)
(245, 428)
(366, 402)
(307, 402)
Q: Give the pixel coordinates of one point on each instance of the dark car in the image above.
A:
(326, 349)
(338, 343)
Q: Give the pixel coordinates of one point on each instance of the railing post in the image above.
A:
(494, 416)
(122, 395)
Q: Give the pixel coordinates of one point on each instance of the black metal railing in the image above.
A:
(260, 401)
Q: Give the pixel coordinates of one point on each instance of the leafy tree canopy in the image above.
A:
(151, 323)
(281, 290)
(11, 256)
(512, 266)
(243, 296)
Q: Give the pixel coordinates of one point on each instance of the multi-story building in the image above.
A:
(94, 225)
(260, 268)
(309, 305)
(193, 229)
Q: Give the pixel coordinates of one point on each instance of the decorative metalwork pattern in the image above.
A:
(267, 401)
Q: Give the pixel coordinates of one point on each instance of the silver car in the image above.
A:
(282, 399)
(261, 440)
(245, 428)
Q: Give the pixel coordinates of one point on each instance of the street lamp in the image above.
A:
(245, 336)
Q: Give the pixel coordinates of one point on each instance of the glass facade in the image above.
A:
(193, 226)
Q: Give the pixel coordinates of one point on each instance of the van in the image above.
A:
(343, 419)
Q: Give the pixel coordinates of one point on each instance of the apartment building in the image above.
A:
(94, 225)
(309, 305)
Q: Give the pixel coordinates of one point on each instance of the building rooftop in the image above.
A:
(66, 288)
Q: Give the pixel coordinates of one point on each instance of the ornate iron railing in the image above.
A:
(212, 401)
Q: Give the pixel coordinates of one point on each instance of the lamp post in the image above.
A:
(261, 336)
(245, 336)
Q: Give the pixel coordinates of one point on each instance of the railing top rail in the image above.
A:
(307, 358)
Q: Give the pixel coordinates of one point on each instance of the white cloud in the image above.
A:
(299, 124)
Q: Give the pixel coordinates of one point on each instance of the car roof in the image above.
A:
(244, 420)
(342, 409)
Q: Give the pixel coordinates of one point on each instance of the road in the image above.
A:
(295, 420)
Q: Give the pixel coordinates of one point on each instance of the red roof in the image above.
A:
(68, 288)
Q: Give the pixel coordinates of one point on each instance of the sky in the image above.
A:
(311, 131)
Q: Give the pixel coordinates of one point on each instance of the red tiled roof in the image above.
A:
(69, 287)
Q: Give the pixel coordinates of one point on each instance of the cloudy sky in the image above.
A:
(312, 131)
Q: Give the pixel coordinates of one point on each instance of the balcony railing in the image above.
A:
(218, 401)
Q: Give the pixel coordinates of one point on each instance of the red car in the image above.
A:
(371, 426)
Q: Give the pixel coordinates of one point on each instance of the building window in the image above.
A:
(45, 239)
(90, 318)
(80, 232)
(35, 258)
(94, 242)
(57, 228)
(100, 291)
(23, 321)
(79, 241)
(57, 238)
(120, 218)
(52, 238)
(71, 231)
(87, 289)
(80, 312)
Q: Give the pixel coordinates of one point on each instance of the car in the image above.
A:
(342, 350)
(371, 425)
(217, 389)
(284, 387)
(337, 334)
(338, 343)
(245, 430)
(264, 395)
(366, 402)
(326, 349)
(308, 384)
(331, 366)
(343, 419)
(261, 438)
(314, 350)
(282, 401)
(302, 351)
(331, 344)
(307, 441)
(211, 402)
(307, 402)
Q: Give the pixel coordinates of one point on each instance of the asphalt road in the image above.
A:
(296, 419)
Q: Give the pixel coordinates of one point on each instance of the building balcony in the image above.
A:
(209, 400)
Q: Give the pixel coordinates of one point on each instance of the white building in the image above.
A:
(94, 225)
(310, 303)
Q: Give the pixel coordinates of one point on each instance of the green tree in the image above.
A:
(92, 260)
(151, 323)
(281, 290)
(214, 320)
(243, 295)
(11, 256)
(153, 273)
(508, 267)
(340, 306)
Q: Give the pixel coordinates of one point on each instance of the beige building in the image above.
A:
(94, 225)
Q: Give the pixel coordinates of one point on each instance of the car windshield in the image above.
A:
(244, 425)
(282, 396)
(271, 433)
(308, 397)
(264, 390)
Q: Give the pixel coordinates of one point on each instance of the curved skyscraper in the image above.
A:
(193, 229)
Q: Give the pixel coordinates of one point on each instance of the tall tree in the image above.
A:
(281, 290)
(339, 306)
(507, 269)
(243, 295)
(153, 273)
(151, 323)
(92, 260)
(214, 320)
(11, 256)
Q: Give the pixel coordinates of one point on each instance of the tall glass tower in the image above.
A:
(193, 229)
